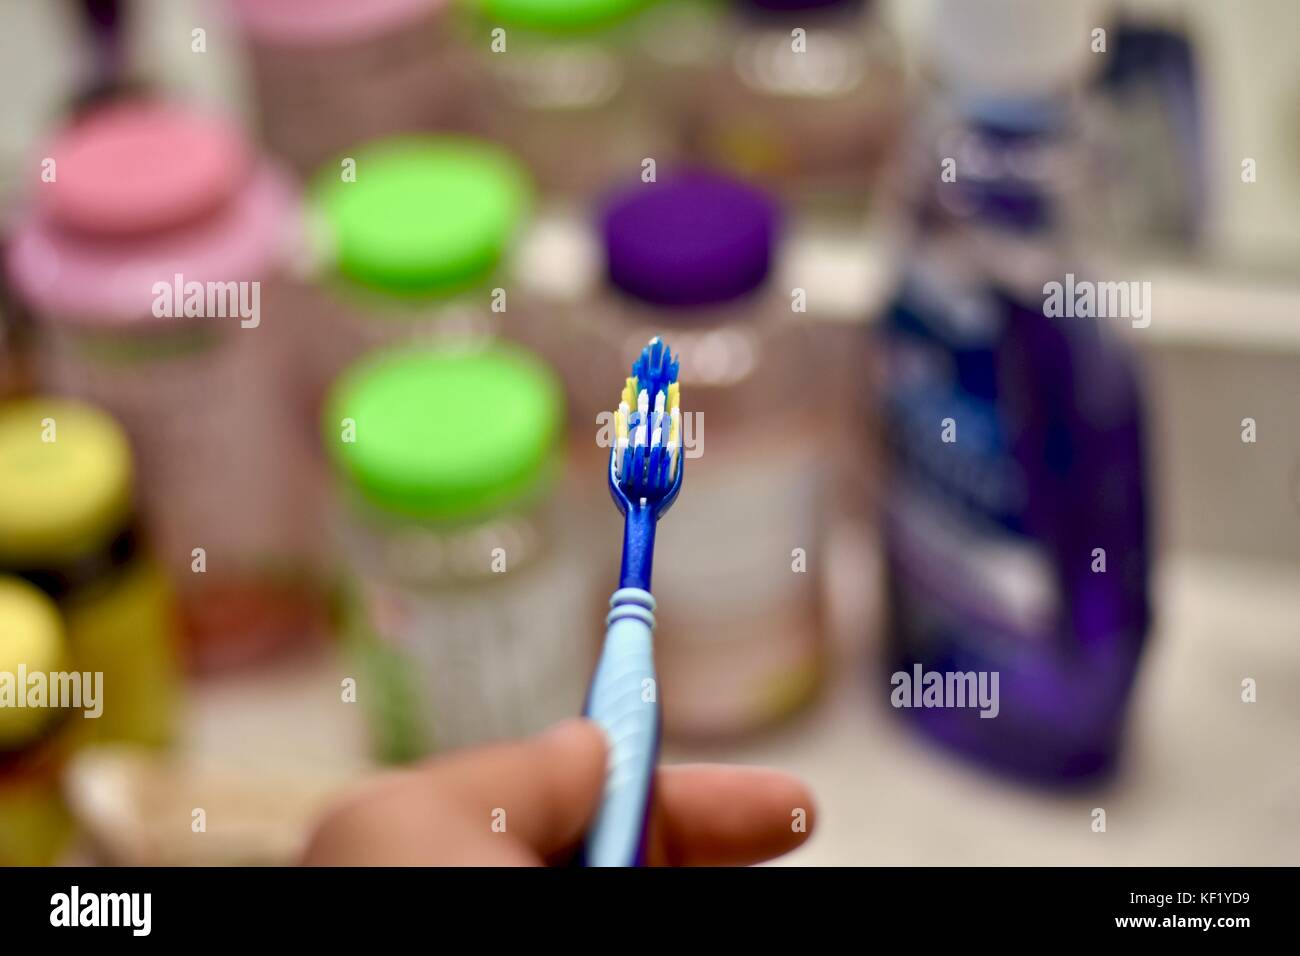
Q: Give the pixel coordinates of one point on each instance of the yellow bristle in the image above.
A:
(674, 433)
(629, 392)
(674, 397)
(620, 424)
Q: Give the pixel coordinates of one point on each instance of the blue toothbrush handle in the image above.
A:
(624, 700)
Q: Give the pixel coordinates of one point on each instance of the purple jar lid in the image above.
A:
(696, 238)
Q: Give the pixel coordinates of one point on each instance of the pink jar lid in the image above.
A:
(309, 22)
(138, 167)
(89, 280)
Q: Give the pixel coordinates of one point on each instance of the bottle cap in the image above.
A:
(696, 238)
(137, 167)
(426, 215)
(1012, 48)
(448, 434)
(559, 16)
(65, 481)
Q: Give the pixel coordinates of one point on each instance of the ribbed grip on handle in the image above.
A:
(624, 700)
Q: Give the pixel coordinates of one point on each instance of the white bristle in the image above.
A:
(658, 438)
(659, 403)
(642, 431)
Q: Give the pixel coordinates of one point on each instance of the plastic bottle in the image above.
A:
(34, 825)
(68, 525)
(563, 88)
(475, 610)
(1015, 523)
(157, 288)
(740, 641)
(330, 74)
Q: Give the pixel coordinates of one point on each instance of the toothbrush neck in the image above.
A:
(638, 548)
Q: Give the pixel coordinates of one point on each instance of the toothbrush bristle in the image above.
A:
(648, 424)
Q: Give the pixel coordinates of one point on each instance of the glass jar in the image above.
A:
(67, 525)
(156, 289)
(805, 95)
(476, 616)
(328, 74)
(739, 642)
(34, 825)
(564, 90)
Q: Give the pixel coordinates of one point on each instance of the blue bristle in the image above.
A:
(637, 470)
(655, 368)
(659, 466)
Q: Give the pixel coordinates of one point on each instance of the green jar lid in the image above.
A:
(450, 435)
(559, 16)
(426, 215)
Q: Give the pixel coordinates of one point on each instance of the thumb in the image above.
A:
(544, 789)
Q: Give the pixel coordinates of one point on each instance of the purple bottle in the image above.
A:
(1015, 522)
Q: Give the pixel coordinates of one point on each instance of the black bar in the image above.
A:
(453, 909)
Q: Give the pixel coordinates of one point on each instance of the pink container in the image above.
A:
(151, 257)
(328, 74)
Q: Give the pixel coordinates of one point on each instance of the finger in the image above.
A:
(541, 791)
(506, 804)
(707, 815)
(403, 824)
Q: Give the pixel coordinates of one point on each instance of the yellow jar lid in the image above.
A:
(65, 480)
(31, 642)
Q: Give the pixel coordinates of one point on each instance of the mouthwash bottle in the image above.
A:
(1014, 512)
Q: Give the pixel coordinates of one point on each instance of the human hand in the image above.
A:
(541, 794)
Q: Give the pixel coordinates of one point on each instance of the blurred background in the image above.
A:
(310, 310)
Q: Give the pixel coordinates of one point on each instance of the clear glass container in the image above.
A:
(157, 290)
(68, 526)
(564, 89)
(330, 74)
(475, 615)
(34, 824)
(804, 95)
(739, 642)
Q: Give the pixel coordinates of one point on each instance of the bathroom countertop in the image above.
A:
(1208, 779)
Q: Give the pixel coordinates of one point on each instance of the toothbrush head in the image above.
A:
(645, 464)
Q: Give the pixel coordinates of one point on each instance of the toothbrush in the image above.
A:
(645, 475)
